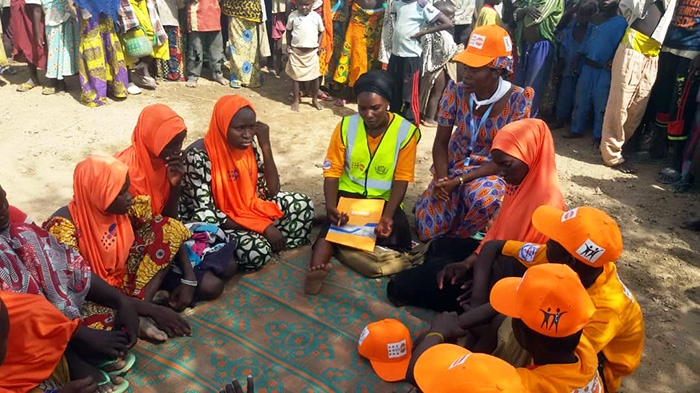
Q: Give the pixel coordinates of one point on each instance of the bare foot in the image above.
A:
(149, 331)
(192, 83)
(624, 167)
(295, 106)
(314, 278)
(316, 104)
(430, 123)
(222, 80)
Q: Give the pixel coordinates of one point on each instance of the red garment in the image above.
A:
(37, 339)
(17, 216)
(23, 36)
(203, 15)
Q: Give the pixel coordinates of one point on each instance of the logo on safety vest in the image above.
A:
(357, 165)
(381, 170)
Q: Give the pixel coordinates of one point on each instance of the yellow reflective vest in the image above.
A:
(372, 175)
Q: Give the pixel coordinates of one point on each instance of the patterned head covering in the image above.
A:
(504, 63)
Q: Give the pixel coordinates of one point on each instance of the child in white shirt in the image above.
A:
(304, 28)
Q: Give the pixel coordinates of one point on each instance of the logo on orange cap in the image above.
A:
(549, 299)
(486, 43)
(585, 232)
(387, 344)
(449, 368)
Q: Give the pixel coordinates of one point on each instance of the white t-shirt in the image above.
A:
(305, 29)
(410, 17)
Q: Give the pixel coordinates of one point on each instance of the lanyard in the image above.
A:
(475, 127)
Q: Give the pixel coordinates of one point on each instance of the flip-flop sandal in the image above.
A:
(314, 279)
(329, 98)
(129, 361)
(25, 87)
(683, 187)
(235, 84)
(322, 96)
(668, 176)
(120, 388)
(48, 91)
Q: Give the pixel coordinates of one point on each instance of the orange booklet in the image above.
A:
(364, 215)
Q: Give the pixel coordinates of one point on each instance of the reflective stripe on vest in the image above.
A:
(361, 179)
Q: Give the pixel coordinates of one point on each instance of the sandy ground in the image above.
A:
(44, 137)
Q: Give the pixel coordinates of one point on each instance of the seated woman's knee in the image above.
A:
(210, 287)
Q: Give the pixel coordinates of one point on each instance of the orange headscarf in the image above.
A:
(234, 172)
(157, 126)
(38, 337)
(104, 239)
(530, 141)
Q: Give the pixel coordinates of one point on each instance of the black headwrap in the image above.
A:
(379, 82)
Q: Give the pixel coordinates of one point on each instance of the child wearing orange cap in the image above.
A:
(590, 242)
(449, 368)
(549, 308)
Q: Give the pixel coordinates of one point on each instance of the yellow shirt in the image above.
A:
(334, 164)
(488, 16)
(617, 327)
(578, 377)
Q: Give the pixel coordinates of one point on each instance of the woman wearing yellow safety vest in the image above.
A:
(371, 155)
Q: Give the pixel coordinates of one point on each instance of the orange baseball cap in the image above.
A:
(449, 368)
(549, 299)
(589, 234)
(387, 344)
(485, 44)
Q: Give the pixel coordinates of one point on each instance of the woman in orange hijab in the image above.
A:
(124, 244)
(155, 158)
(524, 153)
(228, 184)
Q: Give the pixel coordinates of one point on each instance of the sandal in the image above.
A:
(25, 87)
(234, 84)
(684, 185)
(120, 388)
(668, 176)
(48, 91)
(129, 361)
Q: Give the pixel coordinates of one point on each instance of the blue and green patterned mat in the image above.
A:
(263, 325)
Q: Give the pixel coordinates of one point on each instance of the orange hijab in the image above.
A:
(234, 172)
(530, 141)
(37, 339)
(157, 126)
(104, 239)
